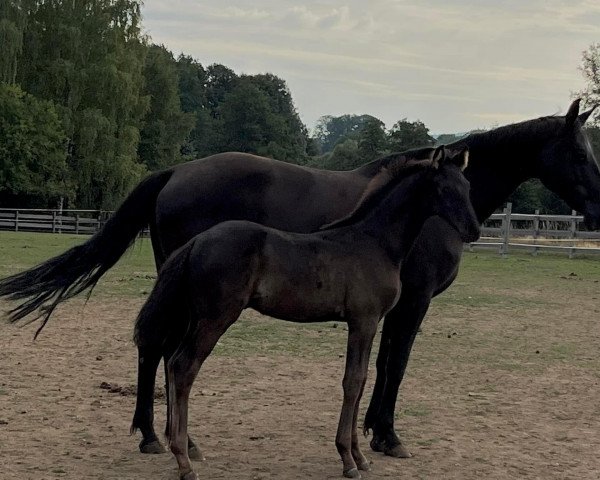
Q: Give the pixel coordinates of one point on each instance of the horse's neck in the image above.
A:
(396, 221)
(503, 158)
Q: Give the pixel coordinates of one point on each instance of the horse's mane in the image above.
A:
(520, 133)
(381, 184)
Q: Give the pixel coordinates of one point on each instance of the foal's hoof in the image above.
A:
(352, 473)
(398, 451)
(189, 476)
(364, 466)
(152, 447)
(194, 453)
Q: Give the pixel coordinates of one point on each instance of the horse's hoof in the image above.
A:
(352, 473)
(376, 445)
(189, 476)
(152, 447)
(398, 451)
(364, 466)
(195, 454)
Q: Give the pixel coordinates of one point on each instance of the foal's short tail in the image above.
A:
(166, 313)
(78, 269)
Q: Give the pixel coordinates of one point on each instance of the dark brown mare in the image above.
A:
(348, 271)
(188, 199)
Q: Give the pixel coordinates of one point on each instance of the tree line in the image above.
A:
(89, 105)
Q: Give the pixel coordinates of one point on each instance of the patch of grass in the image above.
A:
(496, 312)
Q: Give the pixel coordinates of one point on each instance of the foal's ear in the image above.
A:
(438, 156)
(462, 158)
(585, 115)
(572, 114)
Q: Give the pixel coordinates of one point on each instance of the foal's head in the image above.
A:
(449, 190)
(436, 178)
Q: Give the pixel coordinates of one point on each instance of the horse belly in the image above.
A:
(298, 300)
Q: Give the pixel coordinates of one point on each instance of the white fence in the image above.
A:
(535, 233)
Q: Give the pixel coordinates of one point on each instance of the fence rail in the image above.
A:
(536, 232)
(53, 221)
(504, 231)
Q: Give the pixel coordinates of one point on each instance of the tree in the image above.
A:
(332, 130)
(193, 80)
(247, 124)
(590, 67)
(405, 135)
(13, 15)
(166, 127)
(372, 141)
(87, 57)
(33, 167)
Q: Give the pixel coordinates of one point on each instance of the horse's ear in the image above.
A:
(585, 115)
(439, 154)
(572, 114)
(461, 159)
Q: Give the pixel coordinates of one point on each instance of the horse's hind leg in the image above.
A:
(143, 417)
(182, 368)
(194, 452)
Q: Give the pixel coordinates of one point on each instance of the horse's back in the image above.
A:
(239, 186)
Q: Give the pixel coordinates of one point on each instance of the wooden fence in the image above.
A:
(52, 221)
(504, 231)
(535, 233)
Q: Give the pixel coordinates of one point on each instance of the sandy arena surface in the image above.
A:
(274, 417)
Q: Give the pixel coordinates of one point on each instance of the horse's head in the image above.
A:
(568, 167)
(450, 193)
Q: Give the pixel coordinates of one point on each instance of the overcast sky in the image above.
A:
(454, 64)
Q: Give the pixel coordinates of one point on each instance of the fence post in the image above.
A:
(573, 232)
(536, 231)
(505, 229)
(16, 220)
(77, 223)
(53, 221)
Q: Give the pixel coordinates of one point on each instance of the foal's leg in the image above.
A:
(194, 451)
(143, 417)
(182, 369)
(360, 339)
(361, 461)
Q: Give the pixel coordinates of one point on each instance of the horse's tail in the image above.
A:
(166, 313)
(62, 277)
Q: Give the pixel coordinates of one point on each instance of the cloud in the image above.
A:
(425, 55)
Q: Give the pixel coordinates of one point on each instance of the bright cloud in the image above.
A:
(455, 65)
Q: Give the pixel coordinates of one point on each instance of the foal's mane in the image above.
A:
(381, 184)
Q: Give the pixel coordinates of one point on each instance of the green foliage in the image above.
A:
(87, 57)
(405, 135)
(590, 67)
(32, 149)
(166, 126)
(330, 130)
(372, 140)
(12, 21)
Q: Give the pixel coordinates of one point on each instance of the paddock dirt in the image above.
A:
(491, 393)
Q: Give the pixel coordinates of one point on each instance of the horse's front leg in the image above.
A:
(399, 332)
(360, 339)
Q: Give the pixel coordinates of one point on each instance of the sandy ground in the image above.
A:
(274, 417)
